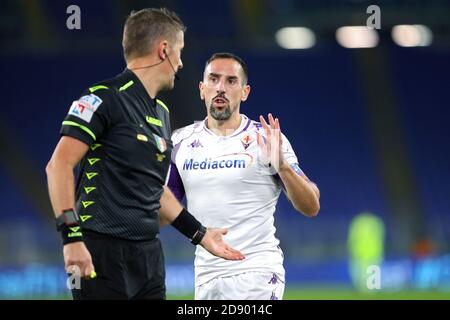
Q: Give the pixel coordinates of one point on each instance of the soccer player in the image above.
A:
(232, 170)
(119, 132)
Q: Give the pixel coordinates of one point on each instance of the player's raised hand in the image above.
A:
(213, 242)
(272, 145)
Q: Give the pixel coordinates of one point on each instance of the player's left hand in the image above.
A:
(213, 242)
(272, 146)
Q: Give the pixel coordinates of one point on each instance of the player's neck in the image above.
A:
(225, 127)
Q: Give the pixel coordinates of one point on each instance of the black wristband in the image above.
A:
(71, 234)
(197, 238)
(186, 224)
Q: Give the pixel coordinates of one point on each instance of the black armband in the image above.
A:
(189, 226)
(71, 234)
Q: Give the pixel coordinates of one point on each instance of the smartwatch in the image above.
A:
(68, 218)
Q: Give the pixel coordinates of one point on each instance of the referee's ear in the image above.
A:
(162, 53)
(200, 87)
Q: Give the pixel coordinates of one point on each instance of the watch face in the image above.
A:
(70, 218)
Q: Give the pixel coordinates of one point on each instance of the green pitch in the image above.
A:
(333, 293)
(348, 294)
(313, 293)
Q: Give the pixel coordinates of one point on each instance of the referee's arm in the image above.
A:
(172, 212)
(61, 187)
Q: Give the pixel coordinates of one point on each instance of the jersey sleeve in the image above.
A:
(174, 180)
(175, 183)
(288, 151)
(291, 158)
(89, 116)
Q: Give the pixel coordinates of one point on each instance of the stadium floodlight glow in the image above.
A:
(295, 38)
(354, 37)
(414, 35)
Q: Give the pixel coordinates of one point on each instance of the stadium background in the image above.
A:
(370, 126)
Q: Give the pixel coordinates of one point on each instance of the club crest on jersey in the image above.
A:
(160, 143)
(85, 107)
(247, 140)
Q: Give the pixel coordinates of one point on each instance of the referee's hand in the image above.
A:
(213, 242)
(78, 259)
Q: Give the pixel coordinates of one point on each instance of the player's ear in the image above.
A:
(200, 87)
(246, 92)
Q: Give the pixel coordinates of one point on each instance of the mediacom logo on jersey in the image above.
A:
(227, 161)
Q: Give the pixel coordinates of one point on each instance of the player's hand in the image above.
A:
(271, 147)
(213, 242)
(78, 260)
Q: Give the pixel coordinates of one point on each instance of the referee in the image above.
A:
(119, 134)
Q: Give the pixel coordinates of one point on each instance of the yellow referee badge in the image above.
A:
(141, 137)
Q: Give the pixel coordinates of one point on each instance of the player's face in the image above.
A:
(174, 55)
(223, 88)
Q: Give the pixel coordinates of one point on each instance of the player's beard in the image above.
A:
(225, 114)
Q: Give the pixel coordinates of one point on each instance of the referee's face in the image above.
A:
(223, 89)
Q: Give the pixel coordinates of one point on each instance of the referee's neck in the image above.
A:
(148, 81)
(149, 73)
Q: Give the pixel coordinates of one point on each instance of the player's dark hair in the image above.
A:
(144, 27)
(227, 55)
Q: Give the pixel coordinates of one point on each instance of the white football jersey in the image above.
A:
(229, 185)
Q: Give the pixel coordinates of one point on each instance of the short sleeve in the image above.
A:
(175, 183)
(288, 152)
(291, 158)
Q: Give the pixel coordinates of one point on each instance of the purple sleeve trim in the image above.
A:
(175, 183)
(174, 152)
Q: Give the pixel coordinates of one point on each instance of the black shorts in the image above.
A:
(125, 269)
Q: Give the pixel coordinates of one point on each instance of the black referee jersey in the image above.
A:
(121, 177)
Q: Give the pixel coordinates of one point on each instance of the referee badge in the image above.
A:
(142, 137)
(160, 143)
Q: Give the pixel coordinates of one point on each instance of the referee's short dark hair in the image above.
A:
(227, 55)
(144, 27)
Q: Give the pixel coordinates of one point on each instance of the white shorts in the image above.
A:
(243, 286)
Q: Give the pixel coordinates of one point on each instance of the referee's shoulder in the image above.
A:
(106, 87)
(102, 91)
